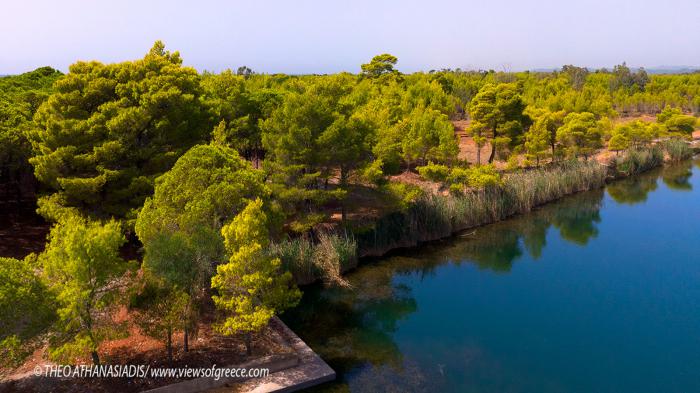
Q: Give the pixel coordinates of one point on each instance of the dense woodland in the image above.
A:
(204, 172)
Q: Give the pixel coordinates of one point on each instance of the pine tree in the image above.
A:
(251, 287)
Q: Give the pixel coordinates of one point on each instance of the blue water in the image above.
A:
(599, 292)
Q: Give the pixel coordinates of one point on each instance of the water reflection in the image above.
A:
(632, 191)
(354, 328)
(677, 177)
(635, 190)
(496, 247)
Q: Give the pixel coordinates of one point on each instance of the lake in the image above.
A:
(598, 292)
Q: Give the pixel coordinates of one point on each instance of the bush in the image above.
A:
(402, 195)
(434, 172)
(478, 177)
(373, 172)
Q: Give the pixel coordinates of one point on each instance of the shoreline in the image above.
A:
(414, 230)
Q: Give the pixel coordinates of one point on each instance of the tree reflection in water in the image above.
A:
(353, 328)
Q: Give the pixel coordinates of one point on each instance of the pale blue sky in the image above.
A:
(310, 36)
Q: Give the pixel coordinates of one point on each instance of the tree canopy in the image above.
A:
(109, 130)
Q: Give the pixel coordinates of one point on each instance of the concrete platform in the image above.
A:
(310, 371)
(288, 373)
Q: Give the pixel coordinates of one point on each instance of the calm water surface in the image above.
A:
(599, 292)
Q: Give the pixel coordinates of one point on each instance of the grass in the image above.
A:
(326, 257)
(677, 149)
(636, 161)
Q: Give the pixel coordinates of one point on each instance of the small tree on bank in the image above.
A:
(82, 263)
(251, 287)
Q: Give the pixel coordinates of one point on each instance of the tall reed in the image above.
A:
(636, 161)
(434, 216)
(326, 257)
(437, 216)
(677, 149)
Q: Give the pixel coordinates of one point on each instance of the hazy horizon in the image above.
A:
(319, 37)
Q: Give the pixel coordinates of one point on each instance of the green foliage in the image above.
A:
(618, 142)
(499, 110)
(580, 134)
(676, 123)
(577, 76)
(638, 160)
(636, 134)
(238, 106)
(374, 173)
(434, 172)
(206, 187)
(82, 266)
(348, 142)
(380, 65)
(427, 134)
(298, 161)
(20, 97)
(624, 78)
(477, 177)
(401, 195)
(161, 310)
(250, 287)
(109, 130)
(26, 308)
(543, 132)
(677, 149)
(424, 135)
(180, 228)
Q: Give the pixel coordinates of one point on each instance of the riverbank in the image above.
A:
(436, 215)
(563, 298)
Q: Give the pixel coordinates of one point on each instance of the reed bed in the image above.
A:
(325, 258)
(433, 217)
(677, 149)
(437, 216)
(636, 161)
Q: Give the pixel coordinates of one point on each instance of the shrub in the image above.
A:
(434, 172)
(479, 177)
(373, 172)
(402, 195)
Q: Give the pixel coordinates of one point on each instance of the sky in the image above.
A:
(310, 36)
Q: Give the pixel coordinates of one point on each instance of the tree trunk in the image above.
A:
(478, 154)
(186, 342)
(493, 145)
(343, 185)
(553, 151)
(248, 344)
(170, 346)
(95, 358)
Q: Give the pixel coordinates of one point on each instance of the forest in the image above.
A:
(236, 187)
